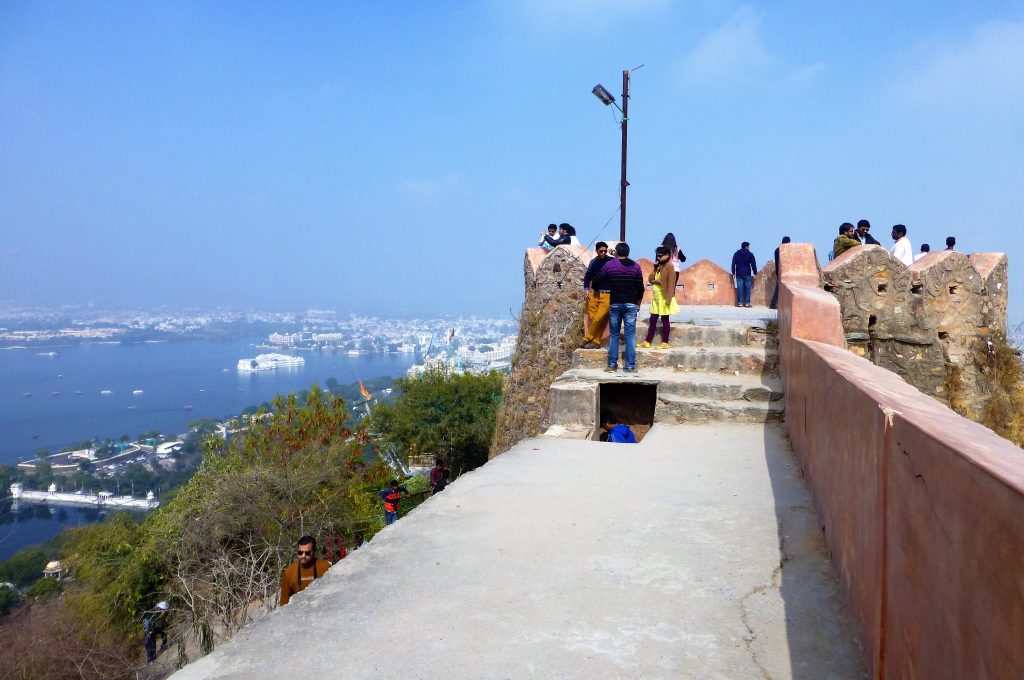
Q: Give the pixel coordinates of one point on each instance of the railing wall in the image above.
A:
(922, 510)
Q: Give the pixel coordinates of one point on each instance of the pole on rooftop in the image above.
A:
(623, 183)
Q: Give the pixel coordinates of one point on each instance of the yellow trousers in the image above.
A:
(597, 311)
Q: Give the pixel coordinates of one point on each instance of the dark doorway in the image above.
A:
(631, 403)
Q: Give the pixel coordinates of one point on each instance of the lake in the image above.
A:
(170, 375)
(67, 403)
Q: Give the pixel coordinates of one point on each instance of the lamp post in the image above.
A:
(607, 99)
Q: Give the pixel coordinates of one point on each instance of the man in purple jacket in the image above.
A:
(625, 282)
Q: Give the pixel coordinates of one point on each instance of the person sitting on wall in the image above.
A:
(616, 433)
(571, 231)
(845, 240)
(552, 230)
(564, 238)
(951, 243)
(925, 249)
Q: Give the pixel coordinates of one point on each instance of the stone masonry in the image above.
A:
(925, 322)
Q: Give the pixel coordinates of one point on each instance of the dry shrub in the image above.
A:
(954, 384)
(1003, 412)
(45, 642)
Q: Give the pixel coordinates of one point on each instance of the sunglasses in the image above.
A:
(304, 552)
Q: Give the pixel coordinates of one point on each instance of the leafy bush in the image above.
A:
(24, 568)
(9, 600)
(442, 414)
(44, 589)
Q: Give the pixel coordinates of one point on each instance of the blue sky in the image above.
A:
(396, 157)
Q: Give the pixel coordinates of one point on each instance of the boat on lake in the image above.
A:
(269, 362)
(136, 392)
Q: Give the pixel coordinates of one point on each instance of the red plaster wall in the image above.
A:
(764, 285)
(923, 510)
(696, 279)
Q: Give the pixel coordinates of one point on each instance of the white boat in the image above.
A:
(136, 392)
(106, 393)
(269, 362)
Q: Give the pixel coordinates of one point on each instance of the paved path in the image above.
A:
(573, 559)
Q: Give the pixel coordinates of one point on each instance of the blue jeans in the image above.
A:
(390, 517)
(619, 314)
(743, 286)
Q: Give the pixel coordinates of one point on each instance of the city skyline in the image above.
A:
(397, 159)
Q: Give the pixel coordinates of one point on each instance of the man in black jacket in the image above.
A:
(624, 280)
(867, 239)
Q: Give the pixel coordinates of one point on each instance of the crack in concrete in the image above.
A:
(774, 582)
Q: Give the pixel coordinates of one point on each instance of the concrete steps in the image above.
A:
(715, 370)
(730, 359)
(673, 409)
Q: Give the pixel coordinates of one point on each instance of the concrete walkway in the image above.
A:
(695, 554)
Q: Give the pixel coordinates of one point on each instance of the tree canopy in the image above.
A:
(444, 414)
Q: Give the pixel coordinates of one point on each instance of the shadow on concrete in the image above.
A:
(820, 635)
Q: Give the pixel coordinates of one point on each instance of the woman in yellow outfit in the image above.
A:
(663, 295)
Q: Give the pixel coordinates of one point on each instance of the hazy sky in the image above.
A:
(398, 156)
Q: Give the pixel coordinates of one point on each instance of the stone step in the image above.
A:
(744, 359)
(724, 387)
(674, 409)
(683, 384)
(689, 335)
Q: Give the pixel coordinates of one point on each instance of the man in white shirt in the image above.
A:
(902, 250)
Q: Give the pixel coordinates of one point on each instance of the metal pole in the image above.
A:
(623, 183)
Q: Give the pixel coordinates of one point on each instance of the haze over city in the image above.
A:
(398, 157)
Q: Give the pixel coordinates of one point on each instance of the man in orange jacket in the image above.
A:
(391, 497)
(303, 571)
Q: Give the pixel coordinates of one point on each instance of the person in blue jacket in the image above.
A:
(617, 433)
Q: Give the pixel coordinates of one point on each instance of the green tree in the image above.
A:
(24, 568)
(232, 528)
(8, 474)
(450, 415)
(120, 567)
(9, 600)
(44, 589)
(43, 475)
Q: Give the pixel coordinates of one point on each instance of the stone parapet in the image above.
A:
(922, 510)
(918, 321)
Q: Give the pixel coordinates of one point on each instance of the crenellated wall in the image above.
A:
(922, 510)
(924, 320)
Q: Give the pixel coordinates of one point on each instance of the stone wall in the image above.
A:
(922, 510)
(929, 322)
(550, 329)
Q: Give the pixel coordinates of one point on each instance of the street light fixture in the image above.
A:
(604, 95)
(607, 99)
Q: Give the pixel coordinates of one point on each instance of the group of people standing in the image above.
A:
(615, 288)
(851, 236)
